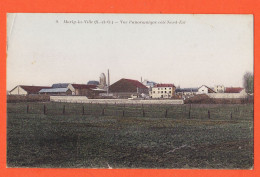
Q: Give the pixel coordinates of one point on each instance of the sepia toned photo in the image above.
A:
(149, 91)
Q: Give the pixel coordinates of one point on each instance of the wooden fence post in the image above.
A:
(44, 109)
(143, 113)
(83, 111)
(103, 112)
(231, 115)
(63, 111)
(208, 114)
(27, 109)
(166, 113)
(189, 114)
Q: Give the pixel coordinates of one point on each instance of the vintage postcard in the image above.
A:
(150, 91)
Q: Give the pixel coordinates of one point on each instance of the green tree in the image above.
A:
(248, 82)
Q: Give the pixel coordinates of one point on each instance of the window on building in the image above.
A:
(170, 88)
(153, 91)
(165, 88)
(165, 92)
(158, 91)
(170, 92)
(161, 91)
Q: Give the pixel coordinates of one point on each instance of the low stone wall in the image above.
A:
(83, 99)
(27, 98)
(72, 99)
(227, 95)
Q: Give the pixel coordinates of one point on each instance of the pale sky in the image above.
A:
(199, 50)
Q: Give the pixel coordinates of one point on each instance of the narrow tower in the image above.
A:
(108, 81)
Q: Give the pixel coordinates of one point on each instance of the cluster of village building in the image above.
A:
(128, 88)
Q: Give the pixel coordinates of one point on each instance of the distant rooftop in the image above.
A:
(186, 90)
(60, 85)
(233, 89)
(33, 89)
(92, 82)
(54, 90)
(164, 85)
(126, 85)
(84, 86)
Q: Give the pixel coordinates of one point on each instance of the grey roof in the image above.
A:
(54, 90)
(186, 90)
(151, 82)
(93, 83)
(60, 85)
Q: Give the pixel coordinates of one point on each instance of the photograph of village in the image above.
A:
(130, 91)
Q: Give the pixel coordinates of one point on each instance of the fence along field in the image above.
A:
(70, 135)
(188, 111)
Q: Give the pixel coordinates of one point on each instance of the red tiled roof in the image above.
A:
(233, 89)
(33, 89)
(164, 85)
(135, 83)
(126, 85)
(83, 86)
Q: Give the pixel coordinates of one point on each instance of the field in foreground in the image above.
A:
(103, 140)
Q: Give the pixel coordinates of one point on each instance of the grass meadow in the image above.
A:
(76, 135)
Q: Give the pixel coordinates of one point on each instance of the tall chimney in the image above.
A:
(108, 81)
(141, 80)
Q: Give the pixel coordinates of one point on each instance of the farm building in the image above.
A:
(205, 89)
(234, 90)
(186, 92)
(163, 91)
(82, 89)
(77, 89)
(56, 91)
(230, 92)
(125, 88)
(26, 90)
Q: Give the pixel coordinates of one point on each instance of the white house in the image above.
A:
(205, 89)
(162, 91)
(219, 88)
